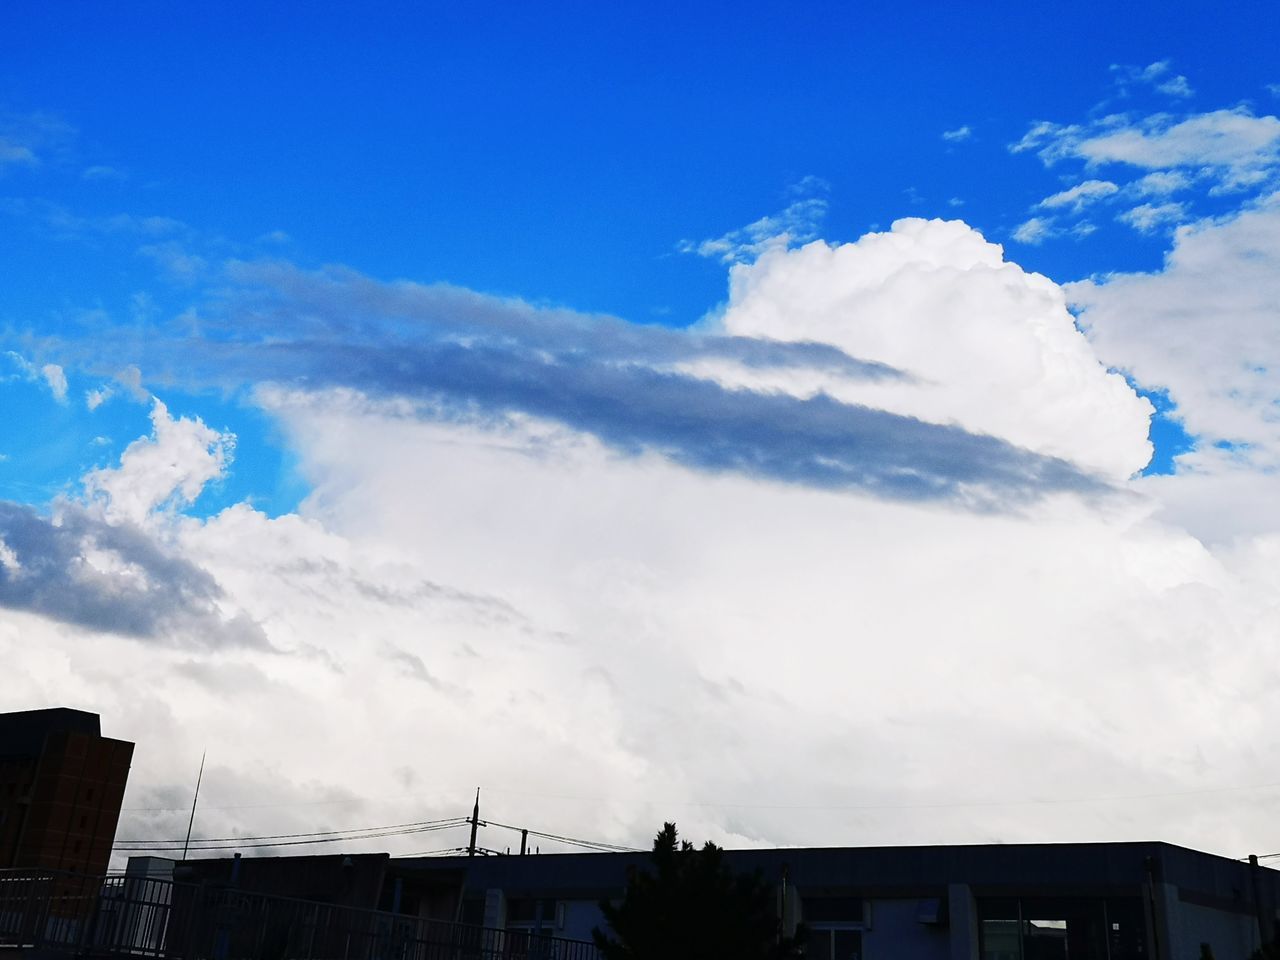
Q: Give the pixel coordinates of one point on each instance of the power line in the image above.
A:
(231, 843)
(316, 833)
(280, 843)
(596, 845)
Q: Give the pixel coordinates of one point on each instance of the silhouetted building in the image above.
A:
(61, 786)
(1069, 901)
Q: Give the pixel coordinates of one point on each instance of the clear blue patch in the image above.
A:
(1168, 435)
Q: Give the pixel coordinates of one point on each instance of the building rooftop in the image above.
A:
(23, 732)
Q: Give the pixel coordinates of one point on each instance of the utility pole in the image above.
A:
(475, 823)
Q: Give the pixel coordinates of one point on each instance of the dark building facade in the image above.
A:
(1089, 901)
(61, 787)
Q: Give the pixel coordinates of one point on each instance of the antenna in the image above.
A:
(199, 777)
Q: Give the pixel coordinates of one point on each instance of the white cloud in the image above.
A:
(632, 638)
(1162, 182)
(165, 472)
(1081, 195)
(49, 374)
(663, 639)
(1176, 87)
(1225, 151)
(986, 345)
(1232, 139)
(958, 135)
(1147, 217)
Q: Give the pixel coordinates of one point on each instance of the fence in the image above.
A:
(126, 916)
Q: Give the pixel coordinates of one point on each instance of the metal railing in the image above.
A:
(119, 916)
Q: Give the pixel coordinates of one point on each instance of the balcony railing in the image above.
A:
(118, 916)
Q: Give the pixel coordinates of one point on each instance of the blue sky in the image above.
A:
(612, 341)
(560, 157)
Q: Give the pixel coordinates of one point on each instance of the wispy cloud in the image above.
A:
(1158, 76)
(28, 139)
(1147, 217)
(958, 135)
(1034, 231)
(1236, 146)
(798, 222)
(1081, 195)
(1217, 152)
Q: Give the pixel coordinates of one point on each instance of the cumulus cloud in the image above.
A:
(638, 653)
(958, 135)
(574, 531)
(163, 472)
(988, 347)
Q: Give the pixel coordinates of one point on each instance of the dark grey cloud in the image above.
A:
(475, 357)
(141, 590)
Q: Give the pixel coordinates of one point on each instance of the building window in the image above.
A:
(833, 945)
(1053, 928)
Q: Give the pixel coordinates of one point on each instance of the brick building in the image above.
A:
(61, 787)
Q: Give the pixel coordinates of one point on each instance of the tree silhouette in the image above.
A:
(691, 906)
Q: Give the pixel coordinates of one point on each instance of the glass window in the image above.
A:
(833, 944)
(1061, 928)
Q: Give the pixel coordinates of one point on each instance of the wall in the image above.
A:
(896, 933)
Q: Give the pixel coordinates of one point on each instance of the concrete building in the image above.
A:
(1093, 901)
(61, 786)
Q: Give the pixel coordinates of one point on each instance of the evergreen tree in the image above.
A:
(691, 906)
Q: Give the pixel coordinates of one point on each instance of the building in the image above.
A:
(61, 787)
(1090, 901)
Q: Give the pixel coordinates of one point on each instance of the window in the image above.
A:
(1053, 928)
(835, 927)
(832, 944)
